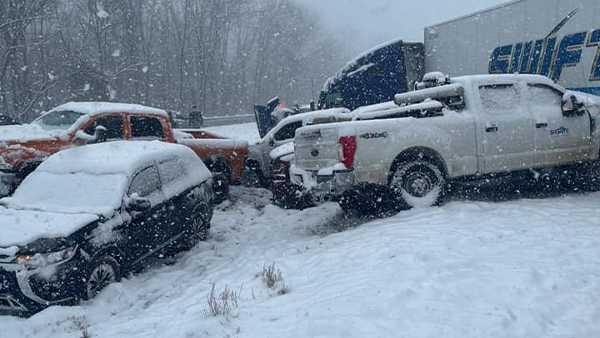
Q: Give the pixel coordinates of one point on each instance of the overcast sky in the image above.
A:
(366, 23)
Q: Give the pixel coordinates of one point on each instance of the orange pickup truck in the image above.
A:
(24, 147)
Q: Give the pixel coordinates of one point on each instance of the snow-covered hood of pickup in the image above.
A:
(21, 227)
(27, 132)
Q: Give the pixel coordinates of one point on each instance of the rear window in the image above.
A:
(146, 127)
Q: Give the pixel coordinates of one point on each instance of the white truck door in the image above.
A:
(506, 129)
(559, 139)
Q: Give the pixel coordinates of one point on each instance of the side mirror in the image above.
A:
(135, 203)
(570, 105)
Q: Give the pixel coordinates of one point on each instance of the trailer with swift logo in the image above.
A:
(556, 38)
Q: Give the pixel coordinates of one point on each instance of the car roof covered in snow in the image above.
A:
(91, 108)
(121, 157)
(310, 117)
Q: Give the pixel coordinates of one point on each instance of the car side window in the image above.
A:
(543, 95)
(146, 127)
(145, 183)
(113, 125)
(288, 132)
(171, 170)
(499, 99)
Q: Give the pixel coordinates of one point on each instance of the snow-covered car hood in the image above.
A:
(27, 132)
(21, 227)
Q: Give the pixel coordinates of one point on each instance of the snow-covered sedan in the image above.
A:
(89, 214)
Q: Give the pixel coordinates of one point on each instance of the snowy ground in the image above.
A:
(521, 268)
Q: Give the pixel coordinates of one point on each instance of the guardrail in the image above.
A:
(213, 121)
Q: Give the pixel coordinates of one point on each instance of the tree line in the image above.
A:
(222, 56)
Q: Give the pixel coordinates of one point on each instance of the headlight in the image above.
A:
(42, 260)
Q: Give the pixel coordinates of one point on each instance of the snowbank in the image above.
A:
(526, 268)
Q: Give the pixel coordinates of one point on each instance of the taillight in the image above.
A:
(348, 144)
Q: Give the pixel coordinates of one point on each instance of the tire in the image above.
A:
(100, 273)
(198, 225)
(417, 184)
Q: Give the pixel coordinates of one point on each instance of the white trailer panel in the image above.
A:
(513, 38)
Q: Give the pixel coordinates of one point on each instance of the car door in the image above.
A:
(145, 233)
(172, 175)
(506, 128)
(559, 139)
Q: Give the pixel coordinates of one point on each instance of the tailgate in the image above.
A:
(317, 148)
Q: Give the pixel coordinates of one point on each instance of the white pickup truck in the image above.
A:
(467, 128)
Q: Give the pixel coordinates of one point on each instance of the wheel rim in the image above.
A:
(418, 184)
(103, 275)
(198, 222)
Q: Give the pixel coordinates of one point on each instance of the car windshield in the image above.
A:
(58, 119)
(70, 193)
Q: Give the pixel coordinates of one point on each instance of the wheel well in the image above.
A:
(419, 153)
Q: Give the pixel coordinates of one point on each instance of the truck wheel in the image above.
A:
(101, 272)
(417, 184)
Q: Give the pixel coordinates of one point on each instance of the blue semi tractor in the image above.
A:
(373, 77)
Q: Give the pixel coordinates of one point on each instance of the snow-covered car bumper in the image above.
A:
(8, 182)
(24, 292)
(324, 184)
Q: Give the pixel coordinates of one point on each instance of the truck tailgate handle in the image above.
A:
(541, 125)
(491, 128)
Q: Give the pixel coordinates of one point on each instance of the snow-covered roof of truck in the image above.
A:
(90, 108)
(121, 157)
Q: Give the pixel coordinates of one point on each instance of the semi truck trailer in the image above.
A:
(556, 38)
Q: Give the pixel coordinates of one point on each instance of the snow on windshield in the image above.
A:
(58, 119)
(70, 193)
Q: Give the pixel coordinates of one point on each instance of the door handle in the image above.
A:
(541, 125)
(491, 128)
